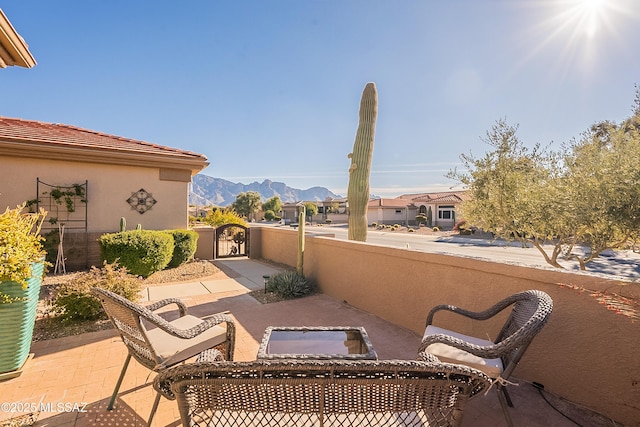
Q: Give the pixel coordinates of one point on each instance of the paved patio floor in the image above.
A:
(69, 380)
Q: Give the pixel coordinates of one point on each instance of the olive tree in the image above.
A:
(603, 171)
(587, 194)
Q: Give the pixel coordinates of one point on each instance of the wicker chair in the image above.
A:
(157, 343)
(268, 393)
(531, 310)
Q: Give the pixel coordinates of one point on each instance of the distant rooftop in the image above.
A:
(438, 197)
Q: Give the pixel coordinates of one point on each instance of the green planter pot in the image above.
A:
(17, 320)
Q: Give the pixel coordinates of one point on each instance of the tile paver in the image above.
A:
(84, 369)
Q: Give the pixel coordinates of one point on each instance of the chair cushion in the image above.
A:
(447, 353)
(171, 349)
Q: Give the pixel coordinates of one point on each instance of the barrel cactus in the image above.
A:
(359, 171)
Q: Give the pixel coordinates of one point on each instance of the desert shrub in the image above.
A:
(412, 230)
(396, 225)
(269, 215)
(185, 243)
(73, 300)
(290, 284)
(328, 221)
(436, 228)
(141, 252)
(374, 224)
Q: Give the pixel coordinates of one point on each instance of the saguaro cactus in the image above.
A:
(123, 224)
(358, 191)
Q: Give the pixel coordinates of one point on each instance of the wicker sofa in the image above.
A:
(321, 393)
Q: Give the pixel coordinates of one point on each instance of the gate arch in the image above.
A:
(232, 240)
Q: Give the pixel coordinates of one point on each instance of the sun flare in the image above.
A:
(590, 13)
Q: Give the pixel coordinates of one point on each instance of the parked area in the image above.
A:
(69, 380)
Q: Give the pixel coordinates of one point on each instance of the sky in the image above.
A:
(270, 89)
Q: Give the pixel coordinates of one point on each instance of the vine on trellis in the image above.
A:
(67, 200)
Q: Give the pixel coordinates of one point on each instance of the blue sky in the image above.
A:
(270, 89)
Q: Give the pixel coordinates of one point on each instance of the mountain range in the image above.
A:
(206, 190)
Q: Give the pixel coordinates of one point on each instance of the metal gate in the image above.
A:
(232, 240)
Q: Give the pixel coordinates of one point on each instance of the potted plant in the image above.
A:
(21, 270)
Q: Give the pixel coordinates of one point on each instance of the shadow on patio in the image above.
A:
(68, 373)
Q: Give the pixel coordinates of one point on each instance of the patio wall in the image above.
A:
(586, 353)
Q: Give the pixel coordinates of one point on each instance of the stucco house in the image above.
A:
(89, 180)
(13, 49)
(442, 205)
(391, 211)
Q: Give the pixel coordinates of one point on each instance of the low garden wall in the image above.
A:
(587, 353)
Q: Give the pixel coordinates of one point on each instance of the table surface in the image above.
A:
(317, 342)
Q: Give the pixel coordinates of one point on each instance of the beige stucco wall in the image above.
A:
(108, 189)
(586, 353)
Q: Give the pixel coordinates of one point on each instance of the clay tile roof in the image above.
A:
(388, 203)
(56, 133)
(440, 197)
(29, 137)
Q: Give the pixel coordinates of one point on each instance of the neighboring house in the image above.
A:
(400, 210)
(289, 212)
(89, 180)
(13, 49)
(442, 205)
(335, 210)
(391, 211)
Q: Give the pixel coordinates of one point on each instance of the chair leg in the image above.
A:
(505, 391)
(154, 409)
(503, 396)
(115, 391)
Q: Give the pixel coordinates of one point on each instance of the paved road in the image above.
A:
(625, 264)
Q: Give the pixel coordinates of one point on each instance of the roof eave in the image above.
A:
(73, 154)
(13, 49)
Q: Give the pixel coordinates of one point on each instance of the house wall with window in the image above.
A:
(444, 206)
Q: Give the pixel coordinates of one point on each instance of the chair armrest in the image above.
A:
(212, 321)
(181, 305)
(476, 315)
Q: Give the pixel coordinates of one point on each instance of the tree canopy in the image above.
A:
(220, 216)
(247, 204)
(573, 203)
(273, 204)
(311, 209)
